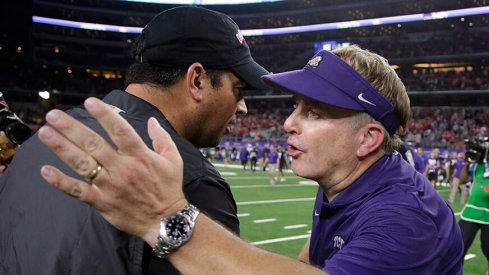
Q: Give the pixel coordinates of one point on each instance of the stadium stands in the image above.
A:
(442, 62)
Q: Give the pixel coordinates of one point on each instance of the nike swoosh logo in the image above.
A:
(360, 97)
(316, 213)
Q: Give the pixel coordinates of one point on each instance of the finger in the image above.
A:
(80, 136)
(81, 162)
(71, 186)
(122, 134)
(162, 142)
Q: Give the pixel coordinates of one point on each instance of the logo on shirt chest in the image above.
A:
(338, 242)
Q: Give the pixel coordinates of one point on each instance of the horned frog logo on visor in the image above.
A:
(314, 62)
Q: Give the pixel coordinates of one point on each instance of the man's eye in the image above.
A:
(239, 92)
(312, 114)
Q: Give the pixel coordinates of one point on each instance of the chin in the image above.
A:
(213, 142)
(301, 171)
(208, 141)
(296, 169)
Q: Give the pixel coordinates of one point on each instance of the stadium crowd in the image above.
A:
(429, 127)
(445, 127)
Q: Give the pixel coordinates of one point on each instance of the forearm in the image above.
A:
(214, 250)
(304, 255)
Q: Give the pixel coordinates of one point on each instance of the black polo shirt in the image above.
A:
(43, 231)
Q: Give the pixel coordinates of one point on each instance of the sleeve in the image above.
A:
(214, 198)
(395, 240)
(44, 231)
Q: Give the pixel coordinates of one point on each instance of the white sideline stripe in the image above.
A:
(278, 240)
(295, 226)
(274, 201)
(228, 173)
(469, 256)
(234, 165)
(227, 165)
(457, 214)
(278, 185)
(264, 220)
(249, 178)
(308, 182)
(243, 215)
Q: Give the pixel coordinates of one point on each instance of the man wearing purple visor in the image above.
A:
(374, 214)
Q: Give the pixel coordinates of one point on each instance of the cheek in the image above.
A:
(221, 110)
(225, 106)
(318, 149)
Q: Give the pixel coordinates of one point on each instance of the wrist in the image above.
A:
(153, 229)
(175, 230)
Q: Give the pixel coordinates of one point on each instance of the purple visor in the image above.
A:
(328, 79)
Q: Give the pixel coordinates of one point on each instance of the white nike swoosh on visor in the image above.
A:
(360, 97)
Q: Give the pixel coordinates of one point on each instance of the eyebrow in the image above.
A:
(241, 84)
(308, 102)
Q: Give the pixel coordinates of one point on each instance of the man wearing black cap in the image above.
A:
(374, 214)
(192, 67)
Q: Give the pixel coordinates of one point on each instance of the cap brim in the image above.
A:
(310, 85)
(251, 73)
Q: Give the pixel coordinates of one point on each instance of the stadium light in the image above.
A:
(286, 30)
(203, 2)
(44, 94)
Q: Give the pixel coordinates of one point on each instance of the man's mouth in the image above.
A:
(293, 151)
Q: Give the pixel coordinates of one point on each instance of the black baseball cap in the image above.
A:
(181, 36)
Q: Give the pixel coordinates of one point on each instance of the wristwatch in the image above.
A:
(175, 230)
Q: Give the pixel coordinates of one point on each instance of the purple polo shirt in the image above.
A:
(459, 165)
(273, 157)
(389, 221)
(243, 154)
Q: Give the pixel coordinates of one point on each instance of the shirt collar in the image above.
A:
(134, 106)
(362, 186)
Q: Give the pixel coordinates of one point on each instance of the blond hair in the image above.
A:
(377, 71)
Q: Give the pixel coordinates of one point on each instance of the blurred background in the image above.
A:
(56, 53)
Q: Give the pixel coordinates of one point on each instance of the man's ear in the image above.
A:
(372, 138)
(195, 81)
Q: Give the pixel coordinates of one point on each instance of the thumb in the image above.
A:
(162, 142)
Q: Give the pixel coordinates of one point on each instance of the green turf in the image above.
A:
(257, 200)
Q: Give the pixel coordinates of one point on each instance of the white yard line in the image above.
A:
(229, 173)
(277, 185)
(278, 240)
(265, 220)
(274, 201)
(295, 226)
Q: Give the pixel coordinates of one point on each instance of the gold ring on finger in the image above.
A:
(93, 174)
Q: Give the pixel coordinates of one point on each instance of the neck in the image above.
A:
(332, 190)
(170, 102)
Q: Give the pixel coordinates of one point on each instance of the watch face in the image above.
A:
(177, 229)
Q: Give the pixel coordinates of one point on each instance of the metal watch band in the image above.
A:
(161, 250)
(163, 247)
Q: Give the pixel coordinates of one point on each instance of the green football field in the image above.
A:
(278, 218)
